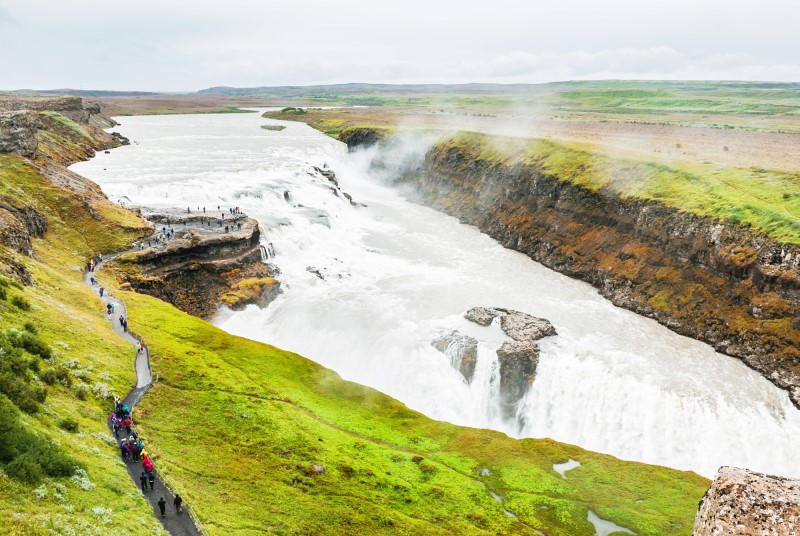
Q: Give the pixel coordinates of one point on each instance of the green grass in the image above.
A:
(70, 321)
(769, 201)
(299, 414)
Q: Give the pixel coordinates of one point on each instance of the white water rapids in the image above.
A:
(395, 273)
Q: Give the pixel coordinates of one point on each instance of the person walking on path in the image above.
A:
(143, 480)
(178, 502)
(162, 505)
(151, 477)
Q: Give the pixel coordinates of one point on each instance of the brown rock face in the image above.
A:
(518, 357)
(203, 267)
(18, 133)
(462, 351)
(18, 225)
(744, 503)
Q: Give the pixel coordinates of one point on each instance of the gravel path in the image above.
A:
(174, 523)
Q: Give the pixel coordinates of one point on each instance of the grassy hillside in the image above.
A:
(237, 426)
(55, 342)
(767, 200)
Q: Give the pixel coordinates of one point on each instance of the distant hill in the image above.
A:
(79, 92)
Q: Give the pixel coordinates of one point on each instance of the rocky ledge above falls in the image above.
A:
(746, 503)
(203, 266)
(517, 357)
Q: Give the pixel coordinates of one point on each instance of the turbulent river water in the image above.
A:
(393, 274)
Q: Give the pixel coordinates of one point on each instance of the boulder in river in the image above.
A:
(518, 357)
(517, 362)
(747, 503)
(462, 351)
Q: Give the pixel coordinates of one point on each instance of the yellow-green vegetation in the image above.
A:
(340, 127)
(248, 291)
(769, 201)
(238, 426)
(59, 364)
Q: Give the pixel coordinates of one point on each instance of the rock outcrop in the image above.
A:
(518, 357)
(18, 133)
(746, 503)
(203, 266)
(462, 351)
(18, 224)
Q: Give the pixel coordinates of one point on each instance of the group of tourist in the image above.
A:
(132, 450)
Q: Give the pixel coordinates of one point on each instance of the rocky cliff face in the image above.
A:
(202, 267)
(749, 504)
(18, 133)
(726, 285)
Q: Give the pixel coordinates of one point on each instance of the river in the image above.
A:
(366, 289)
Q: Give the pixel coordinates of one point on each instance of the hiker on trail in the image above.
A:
(117, 428)
(178, 502)
(226, 228)
(189, 210)
(240, 226)
(143, 480)
(204, 210)
(126, 410)
(162, 505)
(125, 449)
(147, 463)
(143, 453)
(121, 320)
(102, 290)
(97, 259)
(134, 450)
(128, 424)
(151, 477)
(124, 325)
(108, 308)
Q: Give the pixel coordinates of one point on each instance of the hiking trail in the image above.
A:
(176, 524)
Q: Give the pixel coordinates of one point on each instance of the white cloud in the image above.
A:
(183, 44)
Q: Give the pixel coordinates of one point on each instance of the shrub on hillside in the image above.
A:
(56, 375)
(25, 469)
(30, 327)
(3, 293)
(69, 424)
(20, 302)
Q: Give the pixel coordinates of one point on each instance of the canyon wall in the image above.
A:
(721, 283)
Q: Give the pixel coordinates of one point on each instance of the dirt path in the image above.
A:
(174, 523)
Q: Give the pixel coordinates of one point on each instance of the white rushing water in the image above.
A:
(393, 274)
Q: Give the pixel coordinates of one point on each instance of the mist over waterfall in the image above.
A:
(369, 284)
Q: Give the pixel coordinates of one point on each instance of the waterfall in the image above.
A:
(393, 274)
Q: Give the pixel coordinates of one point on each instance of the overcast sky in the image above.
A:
(180, 45)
